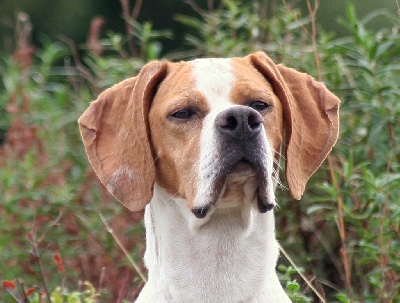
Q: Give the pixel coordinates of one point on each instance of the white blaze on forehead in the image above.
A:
(214, 79)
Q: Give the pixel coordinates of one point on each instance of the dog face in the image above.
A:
(210, 131)
(216, 134)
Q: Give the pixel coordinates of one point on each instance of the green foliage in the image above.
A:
(369, 151)
(47, 187)
(292, 287)
(57, 296)
(88, 294)
(345, 232)
(239, 29)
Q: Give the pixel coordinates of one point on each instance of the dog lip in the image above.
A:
(238, 166)
(256, 168)
(241, 168)
(263, 206)
(264, 202)
(200, 212)
(244, 168)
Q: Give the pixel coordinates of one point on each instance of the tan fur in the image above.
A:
(115, 133)
(176, 145)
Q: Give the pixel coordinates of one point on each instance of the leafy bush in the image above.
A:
(345, 232)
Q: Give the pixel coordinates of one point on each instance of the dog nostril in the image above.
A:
(227, 121)
(254, 121)
(231, 123)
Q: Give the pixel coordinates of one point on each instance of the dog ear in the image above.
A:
(311, 119)
(115, 133)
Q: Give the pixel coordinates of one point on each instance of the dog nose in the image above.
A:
(239, 122)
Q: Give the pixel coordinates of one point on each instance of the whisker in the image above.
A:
(276, 169)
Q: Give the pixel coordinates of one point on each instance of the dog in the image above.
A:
(198, 145)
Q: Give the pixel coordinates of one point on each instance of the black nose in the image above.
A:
(240, 122)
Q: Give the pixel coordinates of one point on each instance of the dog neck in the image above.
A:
(229, 256)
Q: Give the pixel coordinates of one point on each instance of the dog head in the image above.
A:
(210, 130)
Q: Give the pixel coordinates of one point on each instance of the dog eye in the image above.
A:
(183, 114)
(259, 106)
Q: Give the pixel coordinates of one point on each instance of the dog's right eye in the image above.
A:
(259, 106)
(183, 114)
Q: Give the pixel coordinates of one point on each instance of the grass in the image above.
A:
(344, 234)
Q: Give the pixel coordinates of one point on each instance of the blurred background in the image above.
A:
(71, 18)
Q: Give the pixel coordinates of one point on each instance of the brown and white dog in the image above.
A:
(198, 145)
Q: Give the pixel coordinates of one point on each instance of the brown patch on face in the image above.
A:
(176, 142)
(251, 86)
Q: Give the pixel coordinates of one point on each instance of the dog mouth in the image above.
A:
(236, 171)
(241, 169)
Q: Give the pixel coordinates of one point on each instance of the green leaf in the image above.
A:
(74, 298)
(56, 296)
(343, 298)
(292, 286)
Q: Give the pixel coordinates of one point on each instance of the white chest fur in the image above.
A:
(221, 258)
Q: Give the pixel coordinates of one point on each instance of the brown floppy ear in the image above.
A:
(311, 119)
(115, 133)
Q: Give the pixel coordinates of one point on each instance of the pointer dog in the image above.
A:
(197, 144)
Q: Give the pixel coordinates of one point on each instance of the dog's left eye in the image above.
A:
(183, 114)
(259, 106)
